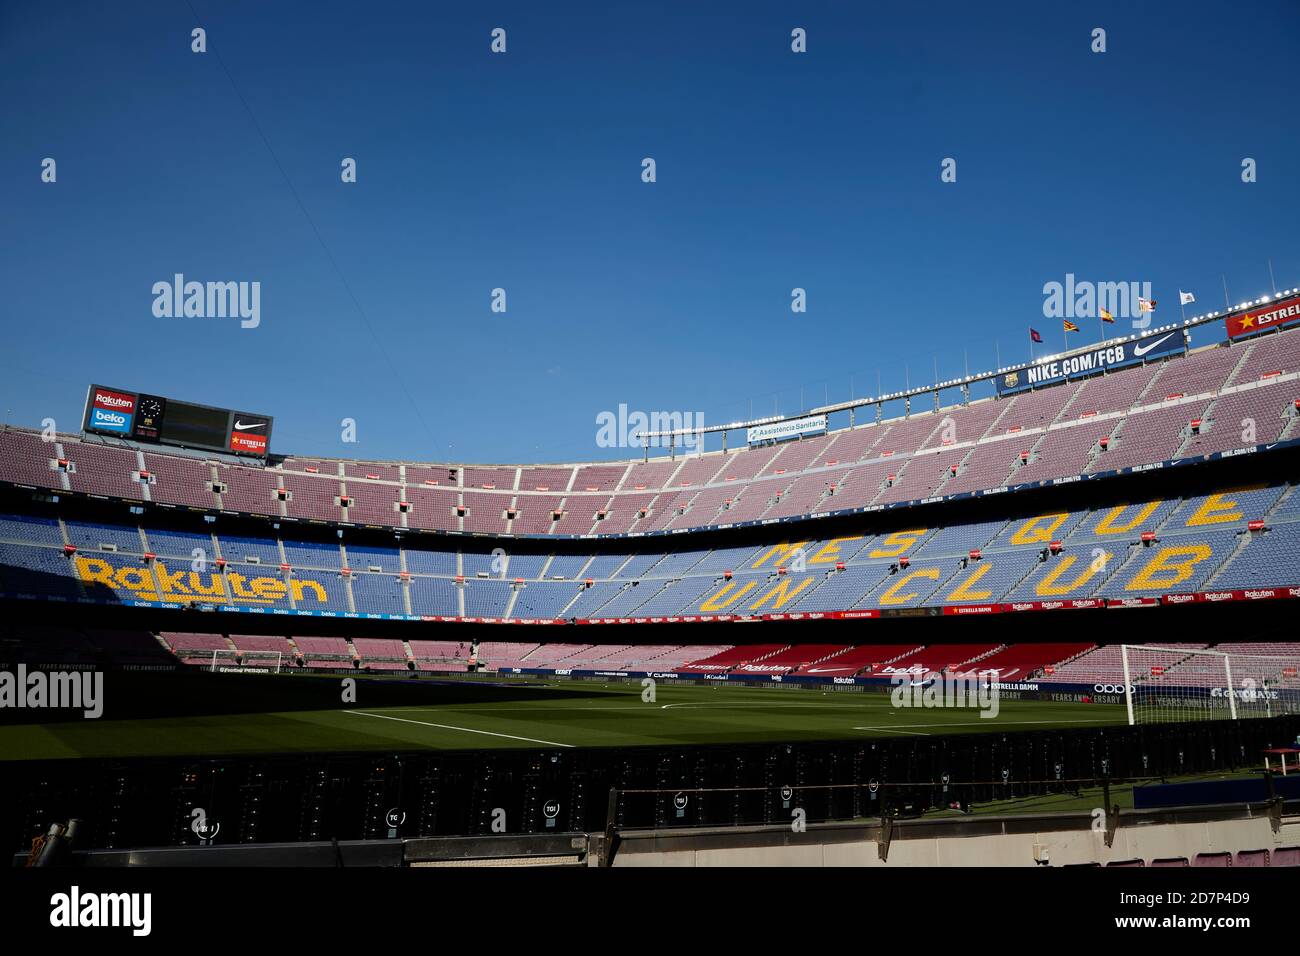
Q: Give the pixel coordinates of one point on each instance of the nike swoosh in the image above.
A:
(240, 426)
(1141, 350)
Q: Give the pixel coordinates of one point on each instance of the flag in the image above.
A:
(1185, 298)
(1070, 326)
(1146, 305)
(1106, 316)
(1034, 336)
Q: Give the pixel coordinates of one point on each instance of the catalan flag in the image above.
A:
(1106, 316)
(1070, 326)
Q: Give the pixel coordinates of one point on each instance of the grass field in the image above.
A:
(211, 715)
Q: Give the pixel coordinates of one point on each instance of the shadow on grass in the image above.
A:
(133, 695)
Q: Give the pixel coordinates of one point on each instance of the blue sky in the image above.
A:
(523, 171)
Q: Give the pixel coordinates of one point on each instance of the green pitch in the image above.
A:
(296, 714)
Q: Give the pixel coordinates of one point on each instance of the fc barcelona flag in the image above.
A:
(1070, 326)
(1034, 336)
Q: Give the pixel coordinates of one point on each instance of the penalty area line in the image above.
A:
(465, 730)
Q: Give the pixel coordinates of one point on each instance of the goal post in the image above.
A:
(1169, 684)
(253, 661)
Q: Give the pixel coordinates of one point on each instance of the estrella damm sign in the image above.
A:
(157, 583)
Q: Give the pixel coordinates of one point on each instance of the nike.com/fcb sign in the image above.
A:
(1086, 363)
(166, 421)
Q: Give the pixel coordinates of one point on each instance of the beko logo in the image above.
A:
(109, 418)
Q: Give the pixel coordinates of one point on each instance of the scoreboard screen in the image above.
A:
(195, 426)
(166, 421)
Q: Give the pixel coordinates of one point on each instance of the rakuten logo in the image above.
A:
(113, 400)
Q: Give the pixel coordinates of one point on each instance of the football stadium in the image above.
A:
(226, 594)
(974, 540)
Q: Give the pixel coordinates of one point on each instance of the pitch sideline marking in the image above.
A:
(467, 730)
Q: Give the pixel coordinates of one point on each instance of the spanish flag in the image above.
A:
(1070, 326)
(1106, 316)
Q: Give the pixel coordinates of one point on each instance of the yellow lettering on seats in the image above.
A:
(268, 589)
(1216, 509)
(893, 597)
(1108, 525)
(94, 570)
(299, 586)
(782, 593)
(898, 542)
(1048, 587)
(1178, 561)
(963, 592)
(829, 553)
(784, 551)
(716, 602)
(1032, 532)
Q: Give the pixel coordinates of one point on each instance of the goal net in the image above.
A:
(252, 662)
(1169, 684)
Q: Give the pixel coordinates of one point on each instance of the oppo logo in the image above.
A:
(1110, 688)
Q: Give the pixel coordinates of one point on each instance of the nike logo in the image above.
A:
(241, 426)
(1141, 350)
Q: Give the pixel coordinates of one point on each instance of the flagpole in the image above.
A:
(1227, 304)
(1272, 281)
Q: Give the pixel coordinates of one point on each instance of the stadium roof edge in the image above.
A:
(967, 380)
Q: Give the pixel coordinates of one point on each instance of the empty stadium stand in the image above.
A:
(1240, 542)
(1192, 405)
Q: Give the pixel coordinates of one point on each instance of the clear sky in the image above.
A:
(523, 171)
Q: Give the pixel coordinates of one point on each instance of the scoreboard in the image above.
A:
(167, 421)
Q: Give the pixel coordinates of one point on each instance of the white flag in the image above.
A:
(1185, 298)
